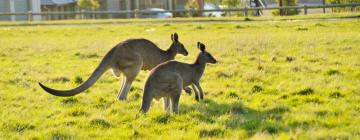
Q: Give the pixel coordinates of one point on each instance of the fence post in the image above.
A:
(191, 12)
(82, 14)
(93, 14)
(323, 1)
(136, 13)
(305, 9)
(245, 11)
(30, 14)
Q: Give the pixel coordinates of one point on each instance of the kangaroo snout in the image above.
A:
(214, 61)
(185, 53)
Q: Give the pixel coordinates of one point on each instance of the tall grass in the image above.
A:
(274, 80)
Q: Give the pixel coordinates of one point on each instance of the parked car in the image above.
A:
(155, 13)
(211, 6)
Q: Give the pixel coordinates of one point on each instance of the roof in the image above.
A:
(57, 2)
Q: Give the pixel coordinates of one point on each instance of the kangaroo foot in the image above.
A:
(187, 90)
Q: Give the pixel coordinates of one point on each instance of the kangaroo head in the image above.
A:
(177, 46)
(204, 56)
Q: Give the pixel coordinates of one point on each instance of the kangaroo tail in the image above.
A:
(101, 68)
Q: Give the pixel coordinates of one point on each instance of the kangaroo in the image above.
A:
(127, 57)
(169, 78)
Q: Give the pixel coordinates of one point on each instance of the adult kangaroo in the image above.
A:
(169, 78)
(128, 57)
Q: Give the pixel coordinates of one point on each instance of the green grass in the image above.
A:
(274, 80)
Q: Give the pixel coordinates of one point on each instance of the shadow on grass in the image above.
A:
(239, 116)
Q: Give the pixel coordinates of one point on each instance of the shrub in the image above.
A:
(343, 9)
(306, 91)
(163, 119)
(60, 136)
(69, 101)
(192, 5)
(211, 133)
(336, 94)
(78, 80)
(271, 128)
(332, 72)
(233, 94)
(100, 123)
(88, 4)
(256, 88)
(286, 11)
(19, 127)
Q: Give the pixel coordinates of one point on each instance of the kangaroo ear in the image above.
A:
(201, 46)
(176, 37)
(172, 37)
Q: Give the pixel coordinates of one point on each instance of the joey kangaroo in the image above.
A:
(169, 78)
(128, 58)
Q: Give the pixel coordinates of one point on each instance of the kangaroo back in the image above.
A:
(101, 68)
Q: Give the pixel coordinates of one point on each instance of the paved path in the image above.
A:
(177, 21)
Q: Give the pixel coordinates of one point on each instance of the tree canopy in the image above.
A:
(88, 4)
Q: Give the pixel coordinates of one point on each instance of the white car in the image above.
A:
(211, 6)
(155, 13)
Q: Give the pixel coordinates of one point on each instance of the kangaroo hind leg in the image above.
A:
(147, 98)
(116, 72)
(167, 104)
(123, 79)
(130, 74)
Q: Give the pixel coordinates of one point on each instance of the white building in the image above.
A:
(58, 6)
(19, 6)
(37, 6)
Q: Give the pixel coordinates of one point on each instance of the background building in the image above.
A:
(11, 6)
(36, 6)
(58, 6)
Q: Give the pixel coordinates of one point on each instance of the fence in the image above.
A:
(135, 13)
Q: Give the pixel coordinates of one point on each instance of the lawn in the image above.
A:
(274, 80)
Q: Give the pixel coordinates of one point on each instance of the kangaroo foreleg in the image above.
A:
(197, 84)
(197, 98)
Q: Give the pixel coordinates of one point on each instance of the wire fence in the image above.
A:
(245, 11)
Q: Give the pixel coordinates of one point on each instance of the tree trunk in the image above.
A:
(280, 5)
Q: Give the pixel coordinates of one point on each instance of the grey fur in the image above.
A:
(169, 78)
(128, 58)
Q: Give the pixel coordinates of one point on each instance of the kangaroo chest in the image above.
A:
(149, 62)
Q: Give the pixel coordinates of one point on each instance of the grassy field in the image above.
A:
(274, 80)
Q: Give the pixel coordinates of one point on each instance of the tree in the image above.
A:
(214, 1)
(343, 9)
(231, 3)
(286, 11)
(88, 4)
(194, 5)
